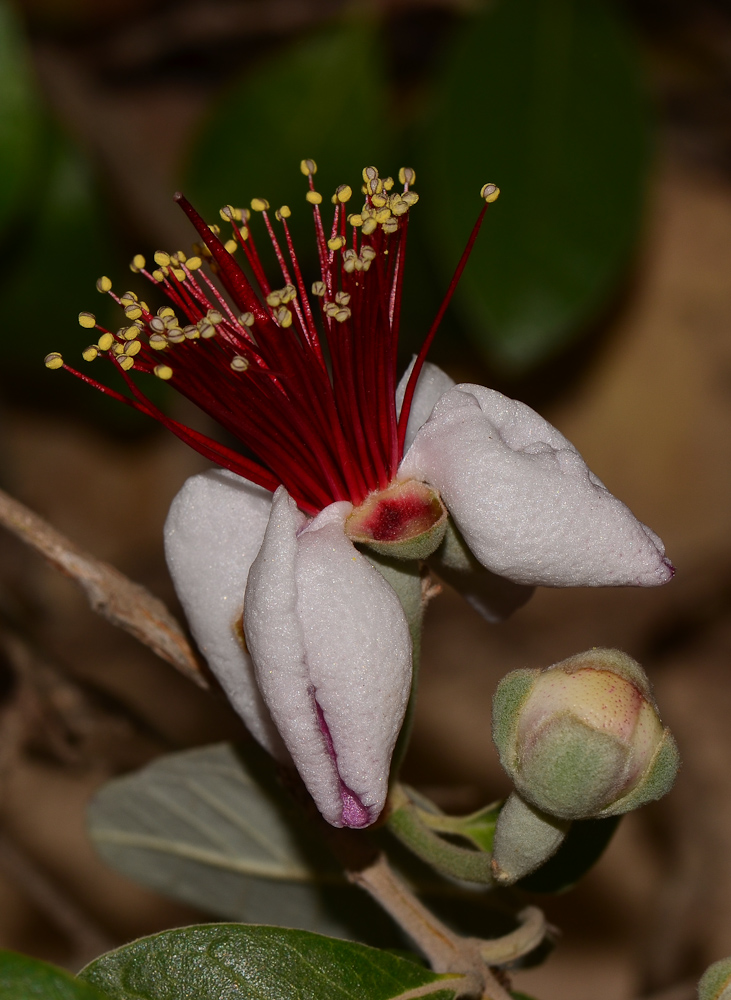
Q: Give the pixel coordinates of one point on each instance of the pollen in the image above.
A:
(87, 320)
(308, 167)
(246, 319)
(125, 362)
(314, 197)
(163, 371)
(137, 263)
(53, 360)
(105, 341)
(239, 364)
(103, 284)
(90, 353)
(259, 204)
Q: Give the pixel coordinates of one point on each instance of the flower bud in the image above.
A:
(715, 982)
(583, 738)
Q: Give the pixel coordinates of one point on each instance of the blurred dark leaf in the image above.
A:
(214, 829)
(53, 262)
(24, 978)
(321, 98)
(543, 98)
(209, 962)
(585, 843)
(19, 120)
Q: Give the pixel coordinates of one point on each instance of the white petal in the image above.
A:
(430, 385)
(213, 532)
(525, 501)
(333, 658)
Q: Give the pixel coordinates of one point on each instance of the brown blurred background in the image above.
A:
(647, 401)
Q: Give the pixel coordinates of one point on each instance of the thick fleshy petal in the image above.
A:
(523, 498)
(431, 384)
(213, 532)
(492, 596)
(332, 651)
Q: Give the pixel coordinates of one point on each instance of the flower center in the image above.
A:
(407, 520)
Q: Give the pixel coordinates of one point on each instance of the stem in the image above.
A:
(446, 951)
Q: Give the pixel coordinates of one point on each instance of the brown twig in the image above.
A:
(111, 594)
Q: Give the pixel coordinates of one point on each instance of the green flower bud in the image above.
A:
(583, 738)
(715, 982)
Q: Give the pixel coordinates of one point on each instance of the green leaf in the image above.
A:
(212, 828)
(19, 119)
(24, 978)
(321, 98)
(543, 98)
(585, 843)
(222, 961)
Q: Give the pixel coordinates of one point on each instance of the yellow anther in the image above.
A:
(157, 325)
(105, 341)
(179, 257)
(128, 332)
(239, 364)
(125, 362)
(231, 245)
(367, 253)
(284, 212)
(214, 316)
(230, 214)
(355, 220)
(87, 320)
(127, 297)
(103, 284)
(319, 288)
(161, 258)
(382, 215)
(330, 309)
(117, 348)
(283, 316)
(53, 360)
(216, 230)
(410, 197)
(390, 226)
(193, 263)
(366, 212)
(179, 273)
(158, 275)
(246, 319)
(387, 183)
(163, 371)
(288, 293)
(308, 167)
(157, 342)
(379, 200)
(132, 311)
(134, 347)
(370, 174)
(243, 230)
(176, 335)
(342, 298)
(90, 353)
(274, 299)
(334, 199)
(344, 193)
(407, 175)
(314, 197)
(206, 329)
(137, 263)
(259, 204)
(369, 226)
(336, 243)
(397, 205)
(191, 332)
(341, 315)
(166, 311)
(490, 192)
